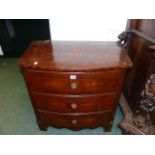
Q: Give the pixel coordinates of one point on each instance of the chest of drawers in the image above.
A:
(74, 84)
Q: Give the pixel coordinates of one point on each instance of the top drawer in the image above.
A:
(75, 82)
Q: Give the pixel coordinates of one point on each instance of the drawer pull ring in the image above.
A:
(73, 85)
(73, 105)
(74, 121)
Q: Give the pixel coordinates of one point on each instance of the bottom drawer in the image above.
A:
(74, 122)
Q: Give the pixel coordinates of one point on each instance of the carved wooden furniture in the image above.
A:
(73, 84)
(139, 92)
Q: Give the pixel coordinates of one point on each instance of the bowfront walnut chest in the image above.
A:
(74, 84)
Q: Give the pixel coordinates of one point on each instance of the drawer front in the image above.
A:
(75, 103)
(74, 122)
(63, 83)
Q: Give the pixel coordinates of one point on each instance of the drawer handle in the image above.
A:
(74, 121)
(73, 105)
(73, 85)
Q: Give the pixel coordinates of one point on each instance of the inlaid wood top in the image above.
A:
(75, 56)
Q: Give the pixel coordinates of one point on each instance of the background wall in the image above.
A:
(85, 20)
(85, 28)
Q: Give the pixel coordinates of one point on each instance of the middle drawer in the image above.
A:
(75, 103)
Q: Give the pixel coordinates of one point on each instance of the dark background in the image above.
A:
(17, 34)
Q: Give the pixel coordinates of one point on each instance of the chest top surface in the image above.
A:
(75, 56)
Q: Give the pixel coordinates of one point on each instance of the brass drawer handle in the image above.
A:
(74, 122)
(73, 105)
(73, 85)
